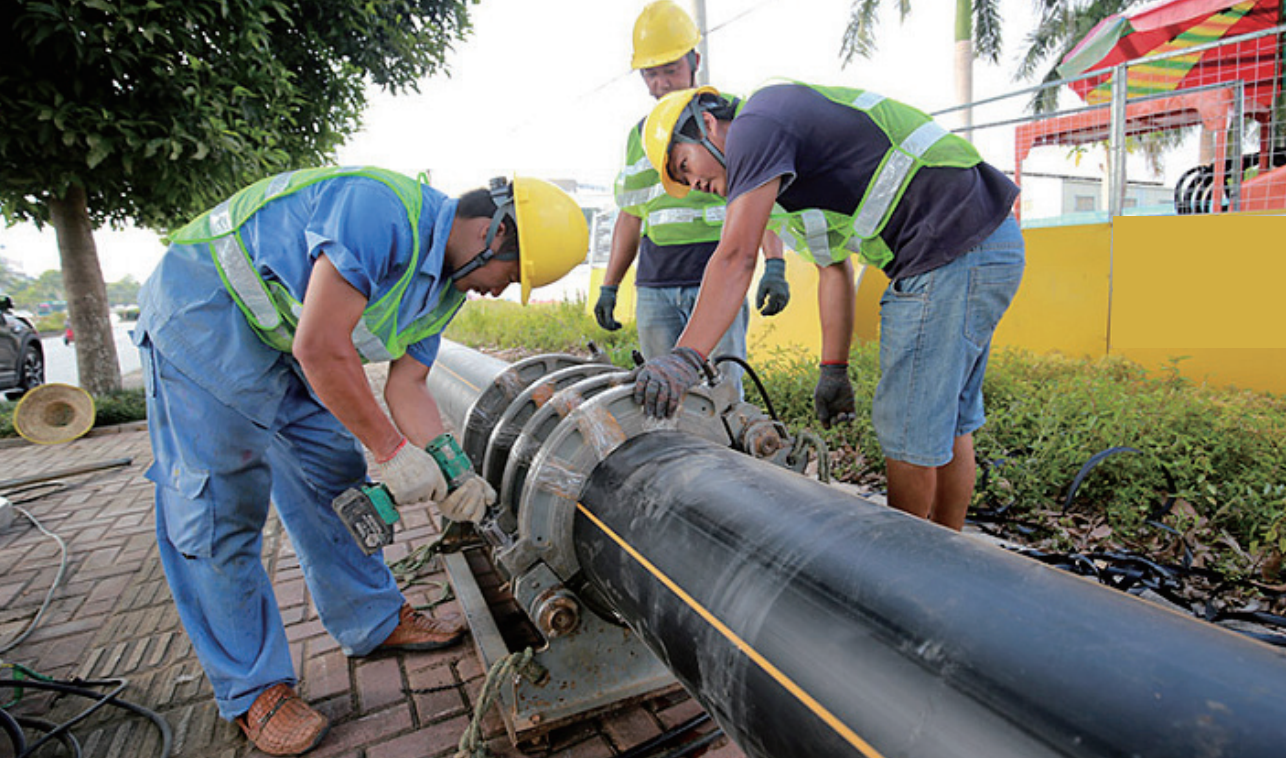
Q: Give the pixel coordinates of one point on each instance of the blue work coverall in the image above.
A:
(234, 423)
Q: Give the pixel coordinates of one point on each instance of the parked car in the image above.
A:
(22, 359)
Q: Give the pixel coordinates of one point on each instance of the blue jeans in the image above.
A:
(215, 470)
(662, 313)
(935, 337)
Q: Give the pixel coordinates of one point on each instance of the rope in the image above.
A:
(519, 664)
(407, 570)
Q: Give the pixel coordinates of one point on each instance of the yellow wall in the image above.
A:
(625, 299)
(1206, 289)
(1062, 304)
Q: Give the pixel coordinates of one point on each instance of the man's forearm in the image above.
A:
(626, 235)
(411, 404)
(836, 299)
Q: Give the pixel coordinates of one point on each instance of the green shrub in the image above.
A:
(54, 323)
(505, 326)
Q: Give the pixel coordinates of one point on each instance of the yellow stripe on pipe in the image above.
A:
(811, 703)
(462, 380)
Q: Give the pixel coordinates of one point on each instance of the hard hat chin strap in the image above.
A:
(503, 198)
(694, 110)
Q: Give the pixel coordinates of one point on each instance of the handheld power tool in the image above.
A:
(368, 512)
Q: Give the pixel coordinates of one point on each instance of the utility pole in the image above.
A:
(703, 47)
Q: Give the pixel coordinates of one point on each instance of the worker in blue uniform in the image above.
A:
(860, 175)
(253, 332)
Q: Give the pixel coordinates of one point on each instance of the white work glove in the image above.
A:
(469, 501)
(411, 476)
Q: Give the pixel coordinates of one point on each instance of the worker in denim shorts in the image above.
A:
(862, 175)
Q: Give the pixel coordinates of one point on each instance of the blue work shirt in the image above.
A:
(359, 224)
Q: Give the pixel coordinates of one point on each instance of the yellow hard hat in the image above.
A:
(658, 134)
(552, 234)
(663, 33)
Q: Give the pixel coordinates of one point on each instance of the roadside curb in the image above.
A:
(100, 431)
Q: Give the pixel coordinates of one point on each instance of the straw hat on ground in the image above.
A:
(53, 413)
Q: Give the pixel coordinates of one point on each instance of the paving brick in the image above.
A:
(437, 739)
(379, 683)
(350, 734)
(631, 727)
(677, 714)
(324, 675)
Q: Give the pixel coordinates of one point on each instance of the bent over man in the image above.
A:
(673, 238)
(253, 330)
(861, 174)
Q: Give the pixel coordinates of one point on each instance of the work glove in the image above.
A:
(833, 396)
(468, 495)
(774, 292)
(605, 308)
(411, 475)
(469, 500)
(661, 383)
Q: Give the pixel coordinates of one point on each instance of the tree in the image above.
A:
(977, 34)
(124, 292)
(1060, 26)
(152, 111)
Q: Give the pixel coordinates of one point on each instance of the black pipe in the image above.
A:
(813, 623)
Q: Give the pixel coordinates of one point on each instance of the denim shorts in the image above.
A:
(935, 336)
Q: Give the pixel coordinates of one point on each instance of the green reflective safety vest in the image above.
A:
(666, 220)
(916, 141)
(271, 310)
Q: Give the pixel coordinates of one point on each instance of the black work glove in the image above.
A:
(774, 292)
(605, 308)
(661, 383)
(833, 396)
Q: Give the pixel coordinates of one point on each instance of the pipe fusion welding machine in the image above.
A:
(632, 553)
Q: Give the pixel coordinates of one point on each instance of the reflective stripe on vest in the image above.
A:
(893, 173)
(816, 239)
(915, 142)
(640, 197)
(272, 311)
(695, 219)
(713, 215)
(244, 281)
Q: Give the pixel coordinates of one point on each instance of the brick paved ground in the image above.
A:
(112, 616)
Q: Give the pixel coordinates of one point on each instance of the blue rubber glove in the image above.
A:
(605, 308)
(833, 396)
(774, 292)
(662, 382)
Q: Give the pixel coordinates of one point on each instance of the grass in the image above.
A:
(1207, 484)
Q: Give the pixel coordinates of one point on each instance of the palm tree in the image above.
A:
(977, 35)
(1060, 25)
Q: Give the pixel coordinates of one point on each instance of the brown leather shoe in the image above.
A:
(281, 723)
(416, 631)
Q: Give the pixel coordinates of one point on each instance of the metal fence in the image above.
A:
(1197, 129)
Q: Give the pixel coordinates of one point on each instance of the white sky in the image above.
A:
(545, 89)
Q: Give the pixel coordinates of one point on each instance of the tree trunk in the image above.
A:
(87, 305)
(964, 65)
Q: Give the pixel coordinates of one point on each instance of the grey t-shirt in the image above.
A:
(826, 154)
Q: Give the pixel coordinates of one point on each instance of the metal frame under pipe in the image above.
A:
(811, 622)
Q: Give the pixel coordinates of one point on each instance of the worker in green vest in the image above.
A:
(253, 331)
(673, 238)
(860, 175)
